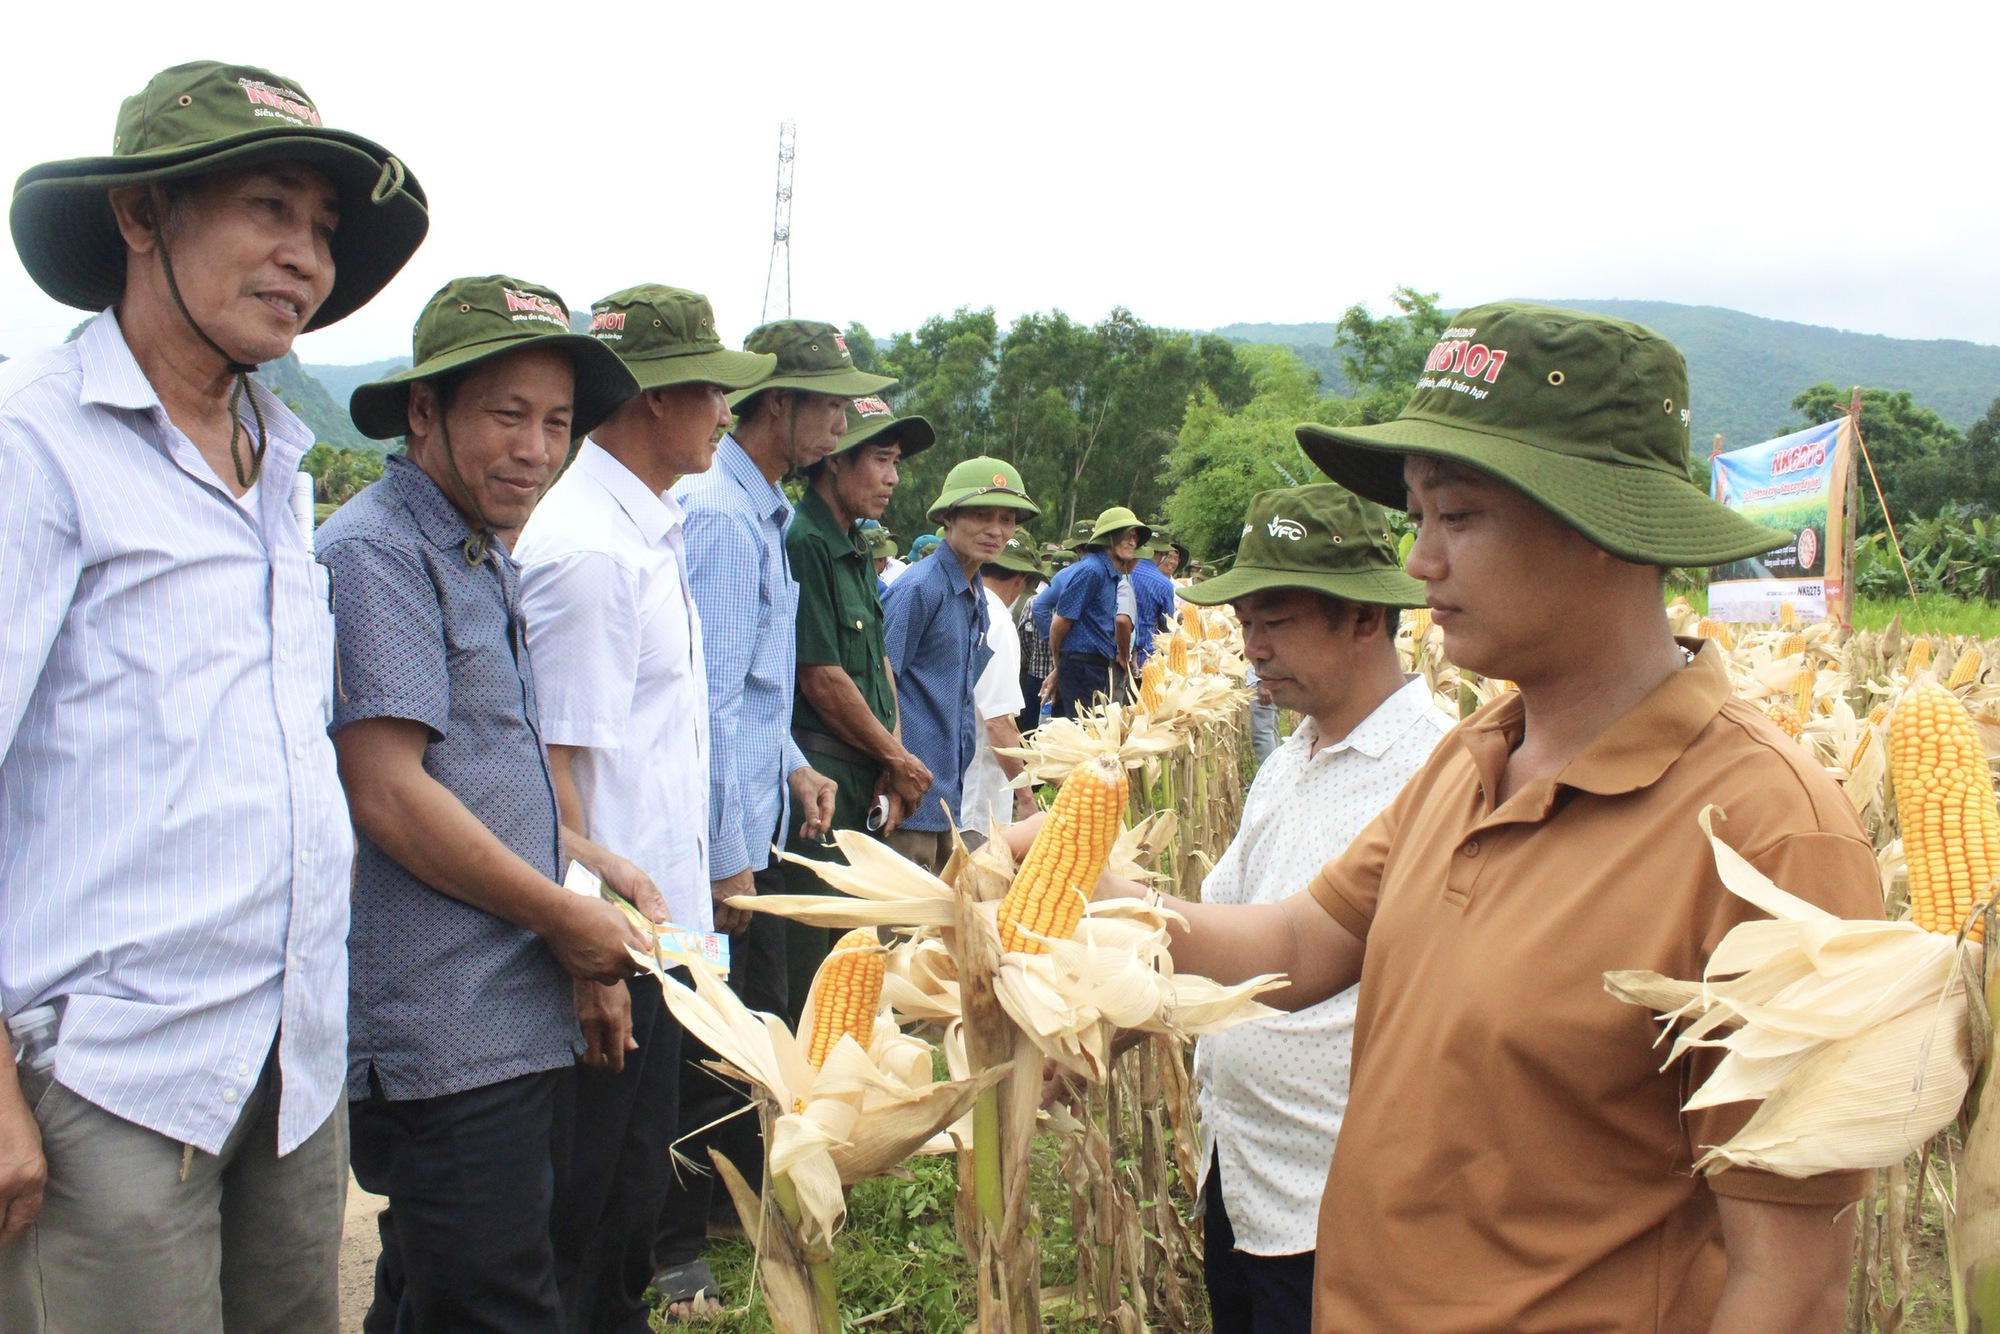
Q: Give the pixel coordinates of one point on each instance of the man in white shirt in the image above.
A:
(174, 841)
(612, 625)
(997, 698)
(1317, 586)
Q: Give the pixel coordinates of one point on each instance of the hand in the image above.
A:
(23, 1171)
(899, 811)
(1049, 687)
(1024, 803)
(624, 878)
(813, 793)
(605, 1016)
(911, 777)
(592, 939)
(732, 921)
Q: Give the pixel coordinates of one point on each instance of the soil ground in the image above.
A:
(358, 1247)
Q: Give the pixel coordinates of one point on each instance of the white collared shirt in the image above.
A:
(986, 797)
(616, 642)
(1272, 1093)
(174, 841)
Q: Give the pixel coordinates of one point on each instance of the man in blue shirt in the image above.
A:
(937, 624)
(1090, 641)
(1153, 595)
(462, 1025)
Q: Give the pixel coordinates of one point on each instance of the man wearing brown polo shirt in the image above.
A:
(1513, 1157)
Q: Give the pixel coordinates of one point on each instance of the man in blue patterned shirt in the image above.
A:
(462, 1033)
(937, 623)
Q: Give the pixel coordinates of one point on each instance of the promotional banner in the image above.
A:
(1799, 484)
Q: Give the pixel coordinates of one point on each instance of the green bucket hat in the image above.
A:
(869, 418)
(200, 118)
(881, 542)
(1320, 537)
(471, 320)
(812, 356)
(1115, 520)
(666, 335)
(1021, 557)
(983, 481)
(1585, 415)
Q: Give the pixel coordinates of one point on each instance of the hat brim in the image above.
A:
(1637, 513)
(69, 242)
(913, 435)
(983, 498)
(1383, 588)
(1097, 539)
(721, 367)
(842, 384)
(381, 408)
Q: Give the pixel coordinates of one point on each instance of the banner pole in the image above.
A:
(1854, 419)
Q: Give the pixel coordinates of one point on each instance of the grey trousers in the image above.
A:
(248, 1244)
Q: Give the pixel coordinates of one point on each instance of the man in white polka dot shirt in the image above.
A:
(1317, 586)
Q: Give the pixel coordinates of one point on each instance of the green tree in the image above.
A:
(1383, 357)
(1921, 459)
(338, 473)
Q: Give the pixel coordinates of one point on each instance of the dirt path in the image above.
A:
(358, 1247)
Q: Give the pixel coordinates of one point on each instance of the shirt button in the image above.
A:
(229, 1095)
(299, 751)
(305, 859)
(242, 1068)
(284, 656)
(1471, 848)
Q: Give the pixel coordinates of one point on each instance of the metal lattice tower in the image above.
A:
(781, 223)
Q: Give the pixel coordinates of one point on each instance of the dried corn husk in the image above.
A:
(1854, 1035)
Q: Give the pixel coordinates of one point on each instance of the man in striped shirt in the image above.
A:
(174, 846)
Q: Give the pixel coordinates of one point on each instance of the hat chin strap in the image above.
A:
(476, 546)
(240, 390)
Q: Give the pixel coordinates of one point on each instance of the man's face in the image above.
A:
(687, 423)
(1492, 561)
(1169, 562)
(977, 534)
(815, 423)
(1303, 661)
(1125, 548)
(508, 427)
(881, 564)
(251, 253)
(864, 479)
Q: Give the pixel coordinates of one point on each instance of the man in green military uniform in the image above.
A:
(844, 716)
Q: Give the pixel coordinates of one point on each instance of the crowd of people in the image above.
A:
(292, 840)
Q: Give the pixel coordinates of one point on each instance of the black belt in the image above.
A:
(832, 747)
(1089, 659)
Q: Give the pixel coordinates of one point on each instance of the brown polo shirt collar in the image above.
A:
(1631, 754)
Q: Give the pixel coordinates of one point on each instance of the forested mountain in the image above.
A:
(1745, 370)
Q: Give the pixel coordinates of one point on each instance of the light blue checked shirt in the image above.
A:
(748, 600)
(174, 843)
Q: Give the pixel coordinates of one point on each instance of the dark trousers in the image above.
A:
(1252, 1294)
(1030, 716)
(757, 973)
(471, 1180)
(1080, 679)
(622, 1129)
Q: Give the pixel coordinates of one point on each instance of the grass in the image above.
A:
(1932, 613)
(899, 1263)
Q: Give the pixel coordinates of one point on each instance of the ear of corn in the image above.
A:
(1177, 661)
(1792, 645)
(1920, 653)
(1967, 669)
(1420, 621)
(847, 993)
(1717, 631)
(1788, 617)
(1945, 806)
(1061, 869)
(1152, 685)
(1788, 720)
(1191, 618)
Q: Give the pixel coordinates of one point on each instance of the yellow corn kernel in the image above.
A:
(1945, 807)
(1788, 720)
(1153, 685)
(1177, 660)
(846, 993)
(1793, 644)
(1800, 688)
(1061, 869)
(1860, 748)
(1967, 669)
(1920, 654)
(1420, 621)
(1878, 714)
(1788, 619)
(1191, 618)
(1716, 630)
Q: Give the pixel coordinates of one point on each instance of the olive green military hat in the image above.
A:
(1320, 537)
(1020, 556)
(471, 320)
(1585, 415)
(983, 481)
(666, 335)
(1115, 520)
(812, 356)
(206, 117)
(881, 542)
(869, 418)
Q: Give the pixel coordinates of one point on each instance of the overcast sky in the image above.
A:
(1201, 164)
